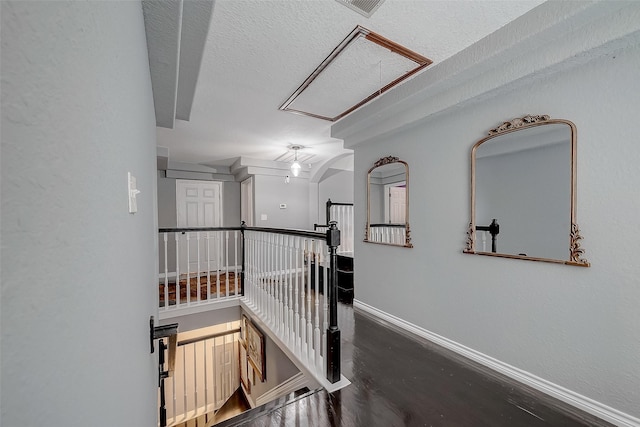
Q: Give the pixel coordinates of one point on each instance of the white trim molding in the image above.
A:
(572, 398)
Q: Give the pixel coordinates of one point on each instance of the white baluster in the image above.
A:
(195, 378)
(310, 263)
(206, 378)
(174, 397)
(271, 282)
(218, 259)
(188, 284)
(208, 266)
(274, 280)
(177, 237)
(297, 292)
(281, 279)
(198, 273)
(236, 280)
(184, 376)
(285, 282)
(316, 332)
(226, 263)
(263, 272)
(249, 265)
(290, 243)
(166, 272)
(215, 373)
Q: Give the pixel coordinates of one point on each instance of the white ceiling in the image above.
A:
(258, 52)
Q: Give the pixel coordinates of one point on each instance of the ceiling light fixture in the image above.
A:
(295, 166)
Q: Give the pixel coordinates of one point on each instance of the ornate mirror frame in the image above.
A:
(407, 231)
(575, 251)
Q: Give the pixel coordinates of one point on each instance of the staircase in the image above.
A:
(247, 417)
(234, 406)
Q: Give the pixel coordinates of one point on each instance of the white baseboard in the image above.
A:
(584, 403)
(295, 383)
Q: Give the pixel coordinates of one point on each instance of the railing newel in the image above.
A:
(333, 333)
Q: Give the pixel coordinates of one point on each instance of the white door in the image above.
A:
(246, 201)
(227, 375)
(395, 204)
(199, 204)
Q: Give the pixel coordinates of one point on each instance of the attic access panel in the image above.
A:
(362, 67)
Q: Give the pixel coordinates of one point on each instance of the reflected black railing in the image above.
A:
(494, 230)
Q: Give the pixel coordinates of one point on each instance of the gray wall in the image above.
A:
(77, 268)
(271, 191)
(576, 327)
(337, 187)
(279, 369)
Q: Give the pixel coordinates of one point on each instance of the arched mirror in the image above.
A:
(523, 192)
(388, 203)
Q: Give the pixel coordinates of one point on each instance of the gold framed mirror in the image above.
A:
(523, 192)
(388, 203)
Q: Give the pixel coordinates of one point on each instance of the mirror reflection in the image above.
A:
(523, 191)
(388, 203)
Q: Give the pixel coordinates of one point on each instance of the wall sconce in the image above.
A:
(295, 166)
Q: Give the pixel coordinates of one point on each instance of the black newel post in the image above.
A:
(243, 225)
(327, 216)
(333, 333)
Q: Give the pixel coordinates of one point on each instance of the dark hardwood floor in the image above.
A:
(398, 380)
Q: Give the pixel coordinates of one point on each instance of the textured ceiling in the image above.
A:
(258, 52)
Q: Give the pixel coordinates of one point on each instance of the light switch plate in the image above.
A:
(263, 217)
(283, 206)
(133, 192)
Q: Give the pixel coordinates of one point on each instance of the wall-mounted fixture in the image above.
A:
(295, 166)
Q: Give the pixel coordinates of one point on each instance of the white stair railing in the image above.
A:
(286, 279)
(206, 374)
(199, 266)
(387, 233)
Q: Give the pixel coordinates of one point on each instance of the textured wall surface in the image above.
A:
(576, 327)
(77, 269)
(271, 191)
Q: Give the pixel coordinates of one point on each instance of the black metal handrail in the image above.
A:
(193, 229)
(389, 225)
(288, 231)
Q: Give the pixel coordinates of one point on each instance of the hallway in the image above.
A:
(399, 381)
